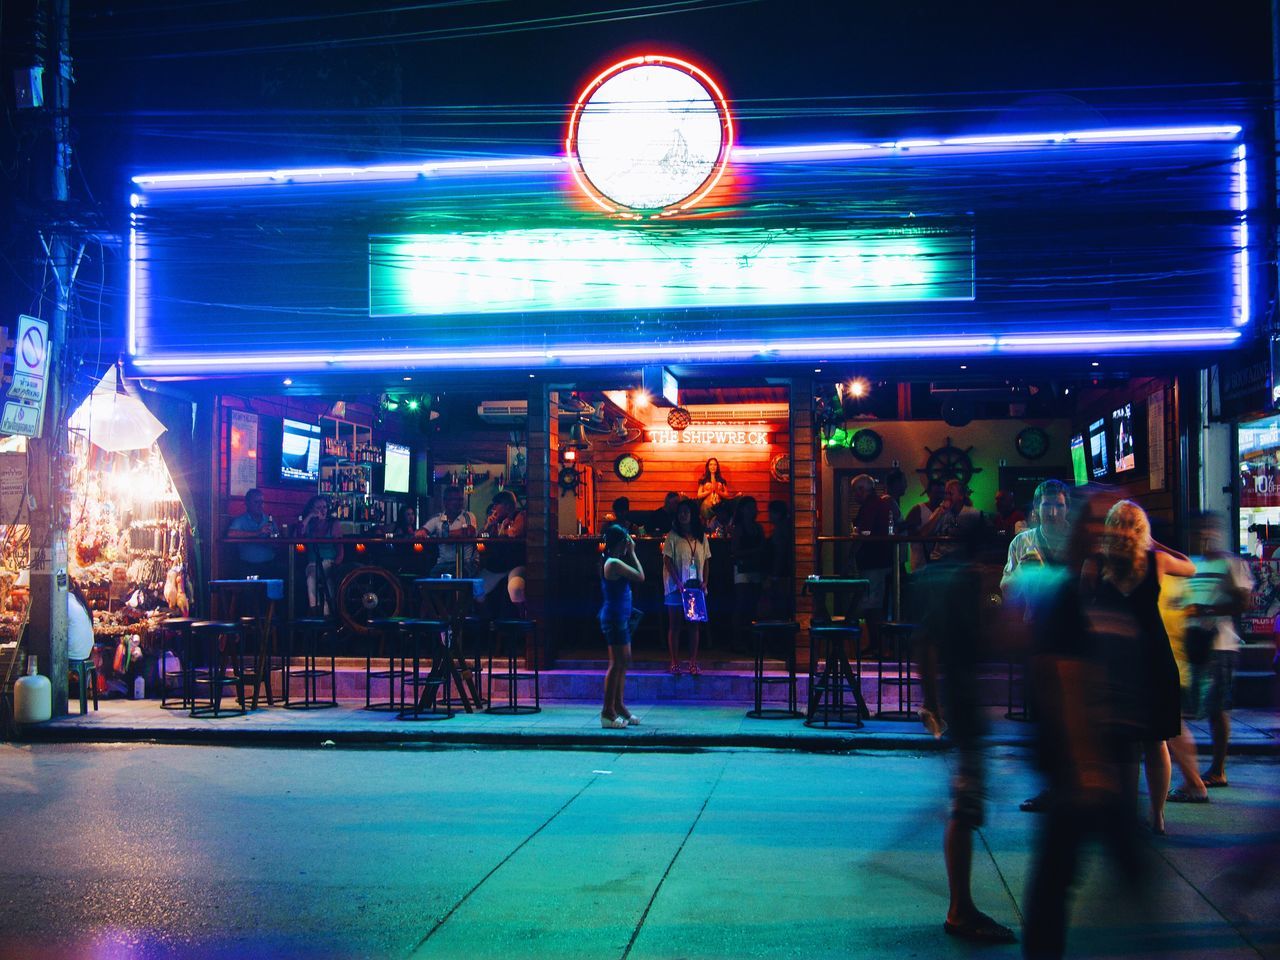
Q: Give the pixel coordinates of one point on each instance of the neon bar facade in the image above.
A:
(771, 258)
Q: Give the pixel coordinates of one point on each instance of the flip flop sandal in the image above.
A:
(980, 929)
(1213, 782)
(1184, 796)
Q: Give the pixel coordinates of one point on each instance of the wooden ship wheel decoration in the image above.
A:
(949, 462)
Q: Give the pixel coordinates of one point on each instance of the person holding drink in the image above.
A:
(452, 521)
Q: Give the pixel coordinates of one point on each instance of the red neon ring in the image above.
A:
(707, 185)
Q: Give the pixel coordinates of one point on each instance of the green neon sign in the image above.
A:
(643, 267)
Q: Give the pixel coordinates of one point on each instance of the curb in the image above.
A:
(854, 741)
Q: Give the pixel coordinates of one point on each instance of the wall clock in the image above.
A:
(866, 445)
(1032, 443)
(627, 467)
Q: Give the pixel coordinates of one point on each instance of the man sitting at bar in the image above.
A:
(621, 515)
(660, 521)
(917, 517)
(955, 519)
(1009, 520)
(453, 521)
(873, 561)
(255, 559)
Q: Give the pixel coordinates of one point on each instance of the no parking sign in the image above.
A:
(24, 406)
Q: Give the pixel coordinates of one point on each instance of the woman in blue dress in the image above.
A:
(618, 571)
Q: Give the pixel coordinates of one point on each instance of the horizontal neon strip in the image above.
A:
(741, 154)
(383, 172)
(548, 270)
(745, 350)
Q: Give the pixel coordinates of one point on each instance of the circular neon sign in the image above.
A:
(649, 137)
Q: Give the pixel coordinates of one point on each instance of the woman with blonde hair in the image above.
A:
(1125, 584)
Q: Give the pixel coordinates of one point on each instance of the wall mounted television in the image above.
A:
(396, 468)
(299, 452)
(1125, 452)
(1098, 463)
(1079, 461)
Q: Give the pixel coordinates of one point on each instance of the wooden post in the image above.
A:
(541, 522)
(804, 489)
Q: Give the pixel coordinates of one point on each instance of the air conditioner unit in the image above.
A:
(503, 411)
(743, 413)
(517, 411)
(977, 390)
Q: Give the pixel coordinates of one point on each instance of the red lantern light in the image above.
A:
(300, 548)
(360, 548)
(417, 548)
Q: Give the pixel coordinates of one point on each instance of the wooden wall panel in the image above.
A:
(679, 467)
(804, 484)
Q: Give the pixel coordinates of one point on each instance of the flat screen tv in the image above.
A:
(1079, 460)
(300, 452)
(395, 475)
(1098, 464)
(1125, 455)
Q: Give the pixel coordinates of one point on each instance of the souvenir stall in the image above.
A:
(128, 541)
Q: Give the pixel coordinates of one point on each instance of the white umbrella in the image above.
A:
(114, 420)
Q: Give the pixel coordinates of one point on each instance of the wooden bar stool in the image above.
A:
(451, 601)
(253, 600)
(899, 636)
(304, 638)
(422, 639)
(219, 641)
(1016, 706)
(388, 633)
(835, 691)
(179, 628)
(772, 636)
(513, 638)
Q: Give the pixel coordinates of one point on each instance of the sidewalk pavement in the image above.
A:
(567, 724)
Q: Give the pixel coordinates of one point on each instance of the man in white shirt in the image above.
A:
(453, 521)
(1040, 549)
(1035, 567)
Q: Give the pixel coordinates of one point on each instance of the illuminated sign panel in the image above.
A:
(992, 245)
(534, 271)
(718, 434)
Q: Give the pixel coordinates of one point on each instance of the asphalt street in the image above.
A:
(147, 851)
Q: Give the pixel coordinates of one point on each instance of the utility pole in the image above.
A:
(46, 461)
